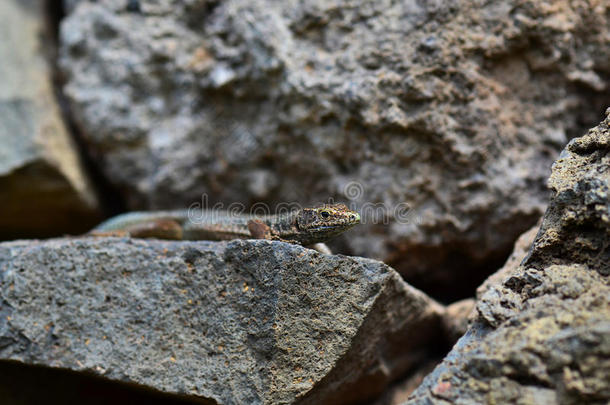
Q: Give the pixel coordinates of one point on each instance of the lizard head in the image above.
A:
(322, 223)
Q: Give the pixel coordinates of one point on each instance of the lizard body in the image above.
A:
(306, 226)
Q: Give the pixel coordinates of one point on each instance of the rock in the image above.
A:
(522, 246)
(231, 322)
(543, 335)
(400, 391)
(69, 5)
(44, 189)
(440, 129)
(456, 318)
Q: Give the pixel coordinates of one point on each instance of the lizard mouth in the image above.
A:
(327, 228)
(334, 227)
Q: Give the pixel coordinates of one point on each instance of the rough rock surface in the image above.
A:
(43, 187)
(454, 109)
(522, 247)
(456, 318)
(399, 392)
(543, 335)
(234, 322)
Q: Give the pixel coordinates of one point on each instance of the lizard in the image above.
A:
(306, 226)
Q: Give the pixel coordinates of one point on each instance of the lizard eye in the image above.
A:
(324, 214)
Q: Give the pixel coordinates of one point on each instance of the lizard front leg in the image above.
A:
(259, 230)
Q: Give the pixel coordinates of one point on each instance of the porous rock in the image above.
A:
(543, 335)
(456, 318)
(254, 322)
(522, 247)
(439, 120)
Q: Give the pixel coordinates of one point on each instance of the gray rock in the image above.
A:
(543, 335)
(399, 392)
(457, 317)
(446, 114)
(69, 5)
(43, 187)
(522, 247)
(235, 322)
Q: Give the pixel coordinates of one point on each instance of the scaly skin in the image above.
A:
(306, 226)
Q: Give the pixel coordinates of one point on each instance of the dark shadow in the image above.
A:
(22, 384)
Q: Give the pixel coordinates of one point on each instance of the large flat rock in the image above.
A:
(439, 120)
(249, 322)
(44, 189)
(542, 335)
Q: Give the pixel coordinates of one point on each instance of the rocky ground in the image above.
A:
(438, 121)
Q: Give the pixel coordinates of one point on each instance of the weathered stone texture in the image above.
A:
(253, 322)
(43, 187)
(455, 108)
(543, 334)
